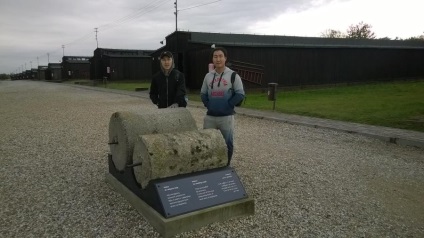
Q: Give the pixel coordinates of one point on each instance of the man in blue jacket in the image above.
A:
(218, 97)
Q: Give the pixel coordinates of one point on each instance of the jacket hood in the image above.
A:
(170, 70)
(226, 70)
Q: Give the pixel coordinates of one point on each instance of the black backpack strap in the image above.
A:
(233, 78)
(177, 75)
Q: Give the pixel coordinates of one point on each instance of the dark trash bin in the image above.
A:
(272, 91)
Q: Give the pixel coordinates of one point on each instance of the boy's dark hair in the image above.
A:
(217, 49)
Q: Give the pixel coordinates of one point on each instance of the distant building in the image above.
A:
(34, 73)
(120, 64)
(296, 61)
(27, 74)
(54, 72)
(42, 72)
(75, 67)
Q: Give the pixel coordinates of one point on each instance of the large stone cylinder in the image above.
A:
(165, 155)
(125, 127)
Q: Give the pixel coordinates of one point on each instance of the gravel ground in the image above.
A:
(306, 182)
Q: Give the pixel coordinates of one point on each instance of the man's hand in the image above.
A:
(175, 105)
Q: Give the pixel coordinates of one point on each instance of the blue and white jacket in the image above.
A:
(217, 95)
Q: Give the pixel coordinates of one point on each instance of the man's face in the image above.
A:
(219, 59)
(166, 62)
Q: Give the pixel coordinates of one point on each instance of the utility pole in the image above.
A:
(63, 50)
(38, 63)
(48, 58)
(176, 33)
(95, 30)
(31, 64)
(25, 65)
(176, 15)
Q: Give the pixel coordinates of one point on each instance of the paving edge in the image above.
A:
(169, 227)
(387, 138)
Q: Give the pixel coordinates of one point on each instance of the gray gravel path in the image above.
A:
(307, 182)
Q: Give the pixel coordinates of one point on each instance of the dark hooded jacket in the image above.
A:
(166, 90)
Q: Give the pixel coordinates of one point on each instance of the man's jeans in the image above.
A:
(226, 126)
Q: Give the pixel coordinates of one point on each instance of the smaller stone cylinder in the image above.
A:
(166, 155)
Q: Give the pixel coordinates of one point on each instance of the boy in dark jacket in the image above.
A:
(167, 89)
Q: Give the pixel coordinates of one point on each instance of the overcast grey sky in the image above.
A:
(33, 29)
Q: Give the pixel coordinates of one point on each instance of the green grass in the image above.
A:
(126, 85)
(122, 85)
(130, 86)
(393, 104)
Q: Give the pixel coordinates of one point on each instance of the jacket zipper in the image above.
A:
(167, 92)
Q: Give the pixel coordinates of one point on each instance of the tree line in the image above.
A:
(361, 31)
(4, 76)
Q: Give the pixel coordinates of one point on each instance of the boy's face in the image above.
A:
(166, 62)
(219, 59)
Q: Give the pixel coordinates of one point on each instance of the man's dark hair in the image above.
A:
(217, 49)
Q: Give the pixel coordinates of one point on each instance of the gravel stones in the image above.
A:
(306, 182)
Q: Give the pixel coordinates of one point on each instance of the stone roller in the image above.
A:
(164, 155)
(125, 127)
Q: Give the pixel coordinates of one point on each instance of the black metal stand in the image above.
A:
(150, 193)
